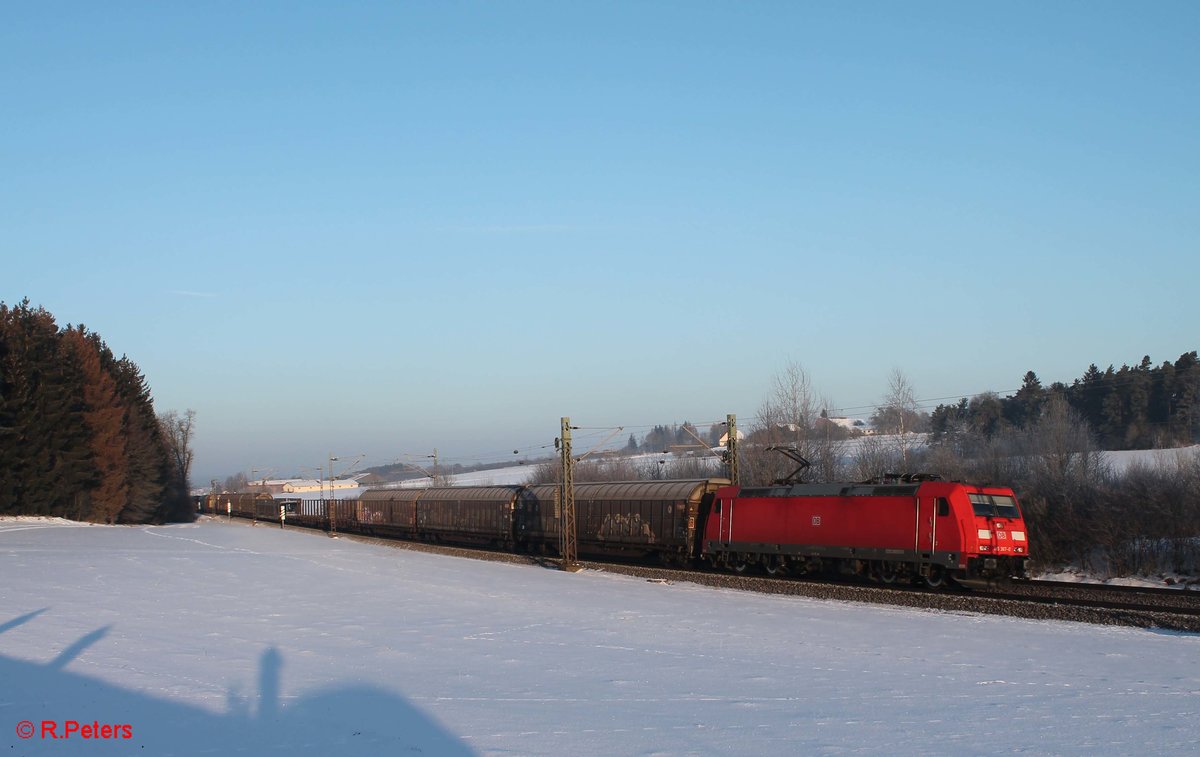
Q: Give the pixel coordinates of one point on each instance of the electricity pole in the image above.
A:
(731, 450)
(568, 539)
(331, 503)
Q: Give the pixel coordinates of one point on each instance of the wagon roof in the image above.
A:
(471, 493)
(459, 493)
(391, 495)
(673, 491)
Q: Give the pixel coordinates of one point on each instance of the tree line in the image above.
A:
(79, 435)
(1134, 407)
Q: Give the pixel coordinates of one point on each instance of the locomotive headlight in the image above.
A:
(1018, 535)
(984, 533)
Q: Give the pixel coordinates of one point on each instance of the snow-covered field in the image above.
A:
(218, 638)
(1123, 460)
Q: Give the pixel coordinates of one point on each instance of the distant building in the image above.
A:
(724, 441)
(266, 486)
(302, 486)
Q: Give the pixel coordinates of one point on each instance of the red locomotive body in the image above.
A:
(908, 528)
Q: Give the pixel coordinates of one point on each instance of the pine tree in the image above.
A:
(1087, 395)
(1187, 396)
(105, 418)
(46, 453)
(987, 414)
(145, 453)
(10, 461)
(949, 419)
(1160, 404)
(1025, 407)
(1136, 388)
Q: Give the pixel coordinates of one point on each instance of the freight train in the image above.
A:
(905, 528)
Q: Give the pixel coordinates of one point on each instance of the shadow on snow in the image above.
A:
(347, 720)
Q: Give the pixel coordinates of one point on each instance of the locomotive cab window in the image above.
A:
(995, 505)
(943, 506)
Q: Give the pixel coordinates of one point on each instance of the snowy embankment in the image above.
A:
(1120, 461)
(219, 638)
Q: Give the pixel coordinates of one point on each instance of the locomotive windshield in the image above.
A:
(995, 505)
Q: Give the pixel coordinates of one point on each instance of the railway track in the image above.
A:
(1145, 599)
(1168, 609)
(1126, 608)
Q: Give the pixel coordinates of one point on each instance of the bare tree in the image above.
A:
(785, 417)
(177, 433)
(872, 457)
(792, 405)
(1062, 445)
(899, 414)
(829, 456)
(236, 483)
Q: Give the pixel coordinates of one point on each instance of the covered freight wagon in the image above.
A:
(389, 512)
(632, 518)
(466, 514)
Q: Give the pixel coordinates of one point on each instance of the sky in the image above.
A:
(383, 228)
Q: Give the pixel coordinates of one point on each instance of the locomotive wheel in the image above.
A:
(937, 577)
(886, 573)
(740, 566)
(774, 565)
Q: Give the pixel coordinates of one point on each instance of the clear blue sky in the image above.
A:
(387, 227)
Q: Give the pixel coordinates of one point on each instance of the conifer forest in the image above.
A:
(79, 435)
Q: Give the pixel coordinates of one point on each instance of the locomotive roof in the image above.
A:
(832, 490)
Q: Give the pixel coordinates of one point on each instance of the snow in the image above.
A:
(1163, 581)
(1123, 460)
(222, 638)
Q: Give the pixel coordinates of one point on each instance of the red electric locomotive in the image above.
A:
(905, 527)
